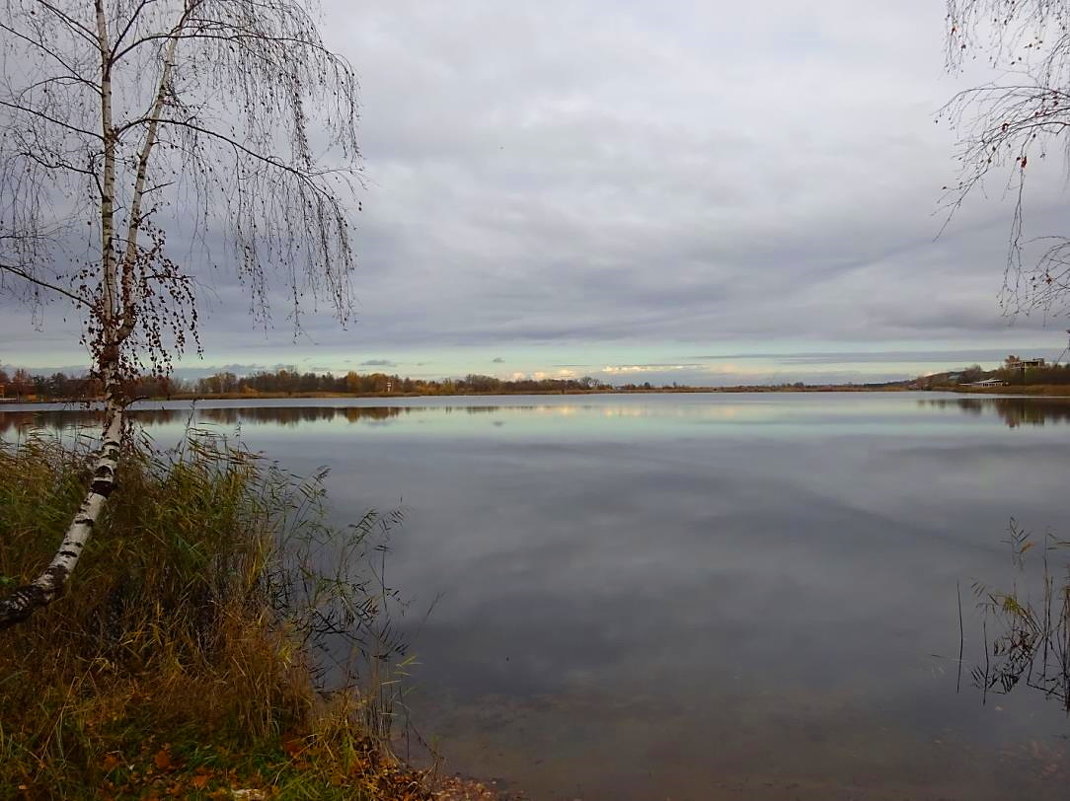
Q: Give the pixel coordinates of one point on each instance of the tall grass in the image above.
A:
(184, 659)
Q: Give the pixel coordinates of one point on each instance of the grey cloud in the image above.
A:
(944, 357)
(378, 363)
(698, 378)
(73, 370)
(202, 371)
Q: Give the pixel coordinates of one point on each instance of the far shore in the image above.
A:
(1036, 390)
(194, 396)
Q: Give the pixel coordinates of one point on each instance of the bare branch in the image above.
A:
(33, 279)
(50, 119)
(75, 27)
(1004, 127)
(117, 51)
(305, 175)
(40, 46)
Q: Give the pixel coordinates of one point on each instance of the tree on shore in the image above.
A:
(128, 121)
(1013, 124)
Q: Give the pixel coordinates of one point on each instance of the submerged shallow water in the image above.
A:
(697, 596)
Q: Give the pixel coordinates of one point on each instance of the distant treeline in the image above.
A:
(21, 385)
(287, 382)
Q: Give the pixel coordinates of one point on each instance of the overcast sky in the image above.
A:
(712, 193)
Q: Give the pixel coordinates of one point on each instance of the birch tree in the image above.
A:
(1013, 124)
(225, 125)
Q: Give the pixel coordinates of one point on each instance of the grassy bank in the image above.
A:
(181, 662)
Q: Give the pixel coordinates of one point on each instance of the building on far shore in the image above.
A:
(1012, 362)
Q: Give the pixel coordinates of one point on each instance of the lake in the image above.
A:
(698, 596)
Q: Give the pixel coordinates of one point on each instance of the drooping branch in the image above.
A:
(1008, 127)
(40, 46)
(305, 176)
(77, 28)
(131, 22)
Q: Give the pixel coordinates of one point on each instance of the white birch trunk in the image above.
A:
(20, 604)
(48, 586)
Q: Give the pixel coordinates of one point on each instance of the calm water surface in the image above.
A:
(697, 596)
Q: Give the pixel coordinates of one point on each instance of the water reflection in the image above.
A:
(290, 415)
(1013, 411)
(285, 416)
(1028, 642)
(561, 417)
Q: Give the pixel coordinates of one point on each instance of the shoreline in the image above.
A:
(1037, 390)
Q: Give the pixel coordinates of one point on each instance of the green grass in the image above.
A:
(182, 661)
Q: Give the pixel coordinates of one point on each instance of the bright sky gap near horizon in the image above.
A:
(701, 193)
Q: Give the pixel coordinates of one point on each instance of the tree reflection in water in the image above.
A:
(1031, 646)
(67, 419)
(1013, 411)
(289, 416)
